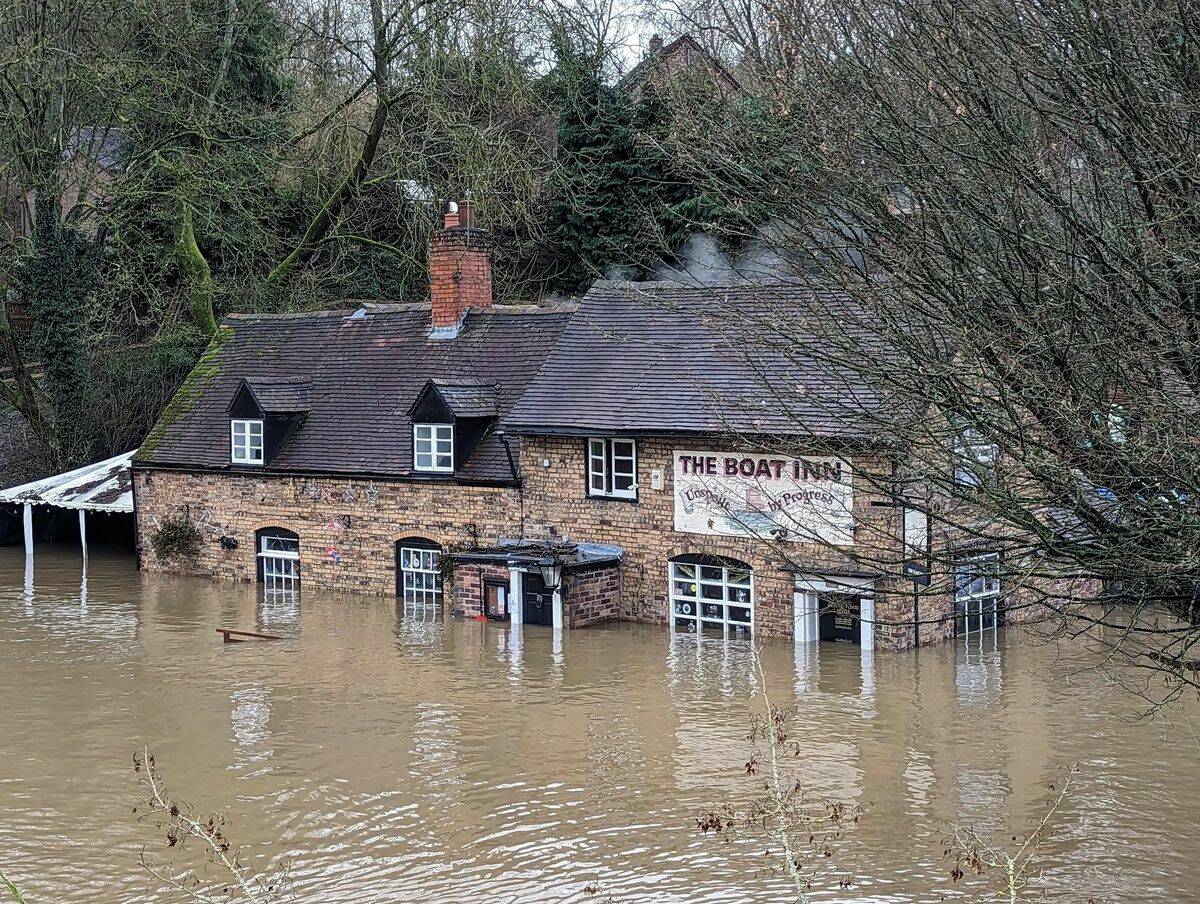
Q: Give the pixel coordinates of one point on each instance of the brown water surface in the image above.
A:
(407, 759)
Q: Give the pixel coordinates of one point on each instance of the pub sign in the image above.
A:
(764, 496)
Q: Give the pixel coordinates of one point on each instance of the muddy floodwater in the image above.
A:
(401, 758)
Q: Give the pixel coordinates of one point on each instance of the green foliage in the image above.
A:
(229, 126)
(176, 539)
(11, 888)
(624, 199)
(57, 277)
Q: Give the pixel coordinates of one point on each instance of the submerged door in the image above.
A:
(538, 602)
(840, 618)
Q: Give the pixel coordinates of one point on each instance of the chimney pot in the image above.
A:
(466, 213)
(656, 43)
(450, 217)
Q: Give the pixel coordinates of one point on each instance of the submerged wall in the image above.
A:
(348, 528)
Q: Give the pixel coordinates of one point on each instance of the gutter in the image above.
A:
(328, 475)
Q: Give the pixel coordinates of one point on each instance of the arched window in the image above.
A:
(278, 558)
(711, 590)
(418, 572)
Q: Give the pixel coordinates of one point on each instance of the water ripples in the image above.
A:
(398, 757)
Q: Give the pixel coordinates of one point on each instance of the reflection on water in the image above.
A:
(400, 756)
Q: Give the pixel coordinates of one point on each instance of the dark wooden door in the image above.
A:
(538, 602)
(840, 618)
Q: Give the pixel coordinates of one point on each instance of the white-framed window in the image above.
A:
(246, 442)
(977, 592)
(278, 559)
(612, 468)
(420, 576)
(974, 457)
(713, 592)
(916, 531)
(433, 447)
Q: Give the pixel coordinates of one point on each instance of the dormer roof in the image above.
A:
(460, 398)
(274, 395)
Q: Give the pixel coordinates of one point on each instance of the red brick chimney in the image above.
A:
(460, 267)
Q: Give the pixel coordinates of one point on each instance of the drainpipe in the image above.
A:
(512, 464)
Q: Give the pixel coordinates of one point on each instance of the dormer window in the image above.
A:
(449, 421)
(246, 442)
(433, 448)
(263, 415)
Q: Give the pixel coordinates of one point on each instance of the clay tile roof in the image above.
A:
(363, 370)
(661, 358)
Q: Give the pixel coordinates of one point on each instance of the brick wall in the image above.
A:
(348, 528)
(553, 471)
(468, 580)
(592, 596)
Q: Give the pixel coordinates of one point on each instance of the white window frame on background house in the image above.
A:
(433, 448)
(612, 468)
(703, 594)
(420, 577)
(974, 453)
(246, 441)
(977, 589)
(279, 561)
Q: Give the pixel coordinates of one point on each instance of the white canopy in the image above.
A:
(105, 486)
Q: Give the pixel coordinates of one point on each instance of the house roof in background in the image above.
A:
(365, 369)
(661, 358)
(676, 56)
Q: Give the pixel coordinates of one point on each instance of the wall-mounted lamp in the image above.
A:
(551, 570)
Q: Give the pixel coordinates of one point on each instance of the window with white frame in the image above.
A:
(916, 531)
(612, 468)
(713, 592)
(246, 442)
(977, 592)
(278, 558)
(420, 576)
(975, 457)
(433, 447)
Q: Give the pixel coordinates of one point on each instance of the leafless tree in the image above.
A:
(800, 830)
(1003, 194)
(226, 876)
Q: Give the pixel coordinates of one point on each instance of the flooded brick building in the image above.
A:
(638, 455)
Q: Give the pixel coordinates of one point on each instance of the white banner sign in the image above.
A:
(798, 499)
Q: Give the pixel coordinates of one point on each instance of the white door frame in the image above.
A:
(806, 609)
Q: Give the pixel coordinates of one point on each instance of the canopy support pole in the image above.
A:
(28, 518)
(83, 531)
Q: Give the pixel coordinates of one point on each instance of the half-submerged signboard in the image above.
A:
(764, 496)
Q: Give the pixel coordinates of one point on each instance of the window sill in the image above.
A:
(604, 498)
